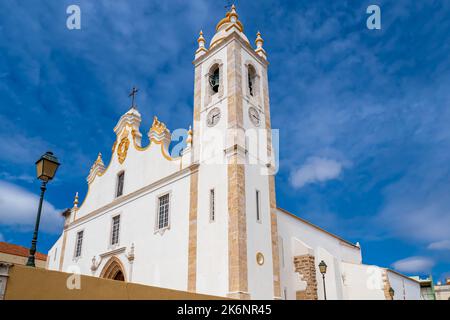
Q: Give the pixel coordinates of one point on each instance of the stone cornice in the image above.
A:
(232, 36)
(137, 193)
(112, 252)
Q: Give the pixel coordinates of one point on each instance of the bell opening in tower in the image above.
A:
(214, 80)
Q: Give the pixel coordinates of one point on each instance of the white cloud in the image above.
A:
(440, 245)
(18, 208)
(315, 170)
(414, 264)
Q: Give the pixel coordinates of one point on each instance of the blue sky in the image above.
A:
(363, 114)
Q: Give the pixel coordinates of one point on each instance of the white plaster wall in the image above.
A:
(333, 277)
(259, 237)
(160, 260)
(324, 246)
(363, 282)
(54, 255)
(212, 237)
(404, 288)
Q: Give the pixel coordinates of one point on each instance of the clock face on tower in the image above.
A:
(254, 116)
(213, 117)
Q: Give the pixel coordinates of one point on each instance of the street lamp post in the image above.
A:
(323, 270)
(46, 168)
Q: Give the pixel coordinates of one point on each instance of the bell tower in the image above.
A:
(233, 240)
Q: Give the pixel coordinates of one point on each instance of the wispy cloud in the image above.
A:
(20, 177)
(18, 208)
(440, 245)
(316, 170)
(414, 264)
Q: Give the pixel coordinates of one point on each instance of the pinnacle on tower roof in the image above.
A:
(231, 17)
(99, 159)
(200, 37)
(259, 46)
(201, 45)
(227, 25)
(75, 201)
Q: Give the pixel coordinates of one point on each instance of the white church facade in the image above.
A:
(206, 220)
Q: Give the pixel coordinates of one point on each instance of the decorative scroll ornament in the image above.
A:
(97, 168)
(123, 149)
(95, 264)
(158, 126)
(130, 255)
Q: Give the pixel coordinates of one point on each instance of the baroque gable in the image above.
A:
(141, 165)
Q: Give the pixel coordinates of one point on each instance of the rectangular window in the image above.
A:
(258, 206)
(78, 244)
(280, 241)
(212, 206)
(163, 211)
(120, 180)
(115, 230)
(56, 253)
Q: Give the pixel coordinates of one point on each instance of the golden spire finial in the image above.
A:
(99, 159)
(201, 45)
(259, 40)
(231, 17)
(259, 45)
(75, 201)
(201, 38)
(233, 13)
(189, 138)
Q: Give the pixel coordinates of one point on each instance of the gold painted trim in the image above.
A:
(227, 19)
(122, 149)
(164, 152)
(138, 148)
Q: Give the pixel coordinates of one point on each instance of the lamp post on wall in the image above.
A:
(323, 270)
(46, 168)
(391, 293)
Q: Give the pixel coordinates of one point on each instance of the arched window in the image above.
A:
(214, 82)
(214, 77)
(251, 80)
(120, 181)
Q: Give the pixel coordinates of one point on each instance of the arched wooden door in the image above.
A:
(113, 270)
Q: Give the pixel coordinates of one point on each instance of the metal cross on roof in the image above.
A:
(133, 95)
(229, 4)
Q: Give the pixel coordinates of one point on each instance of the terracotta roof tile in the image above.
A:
(17, 250)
